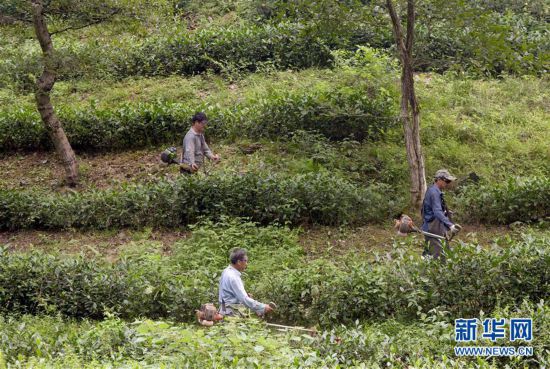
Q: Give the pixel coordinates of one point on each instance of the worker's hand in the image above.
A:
(268, 309)
(194, 167)
(455, 228)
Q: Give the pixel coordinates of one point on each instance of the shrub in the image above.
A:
(81, 287)
(496, 42)
(309, 198)
(271, 248)
(398, 286)
(405, 286)
(242, 46)
(348, 105)
(519, 199)
(142, 283)
(239, 47)
(59, 343)
(430, 342)
(54, 342)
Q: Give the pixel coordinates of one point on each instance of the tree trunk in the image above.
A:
(410, 112)
(44, 85)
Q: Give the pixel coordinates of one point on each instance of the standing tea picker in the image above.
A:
(195, 148)
(437, 224)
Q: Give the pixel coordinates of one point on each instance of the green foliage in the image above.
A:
(517, 200)
(477, 37)
(143, 283)
(352, 102)
(404, 286)
(146, 343)
(245, 47)
(467, 125)
(272, 248)
(399, 285)
(429, 342)
(474, 282)
(486, 39)
(239, 47)
(308, 198)
(496, 128)
(61, 343)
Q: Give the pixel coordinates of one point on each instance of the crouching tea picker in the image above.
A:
(233, 298)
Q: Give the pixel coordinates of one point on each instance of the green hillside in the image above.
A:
(303, 103)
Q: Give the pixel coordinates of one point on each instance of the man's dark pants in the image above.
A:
(434, 246)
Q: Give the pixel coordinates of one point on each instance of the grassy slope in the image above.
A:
(496, 128)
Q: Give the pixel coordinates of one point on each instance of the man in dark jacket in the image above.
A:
(436, 215)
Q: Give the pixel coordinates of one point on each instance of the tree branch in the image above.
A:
(410, 27)
(90, 23)
(397, 30)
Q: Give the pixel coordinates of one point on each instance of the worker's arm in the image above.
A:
(438, 209)
(207, 152)
(243, 298)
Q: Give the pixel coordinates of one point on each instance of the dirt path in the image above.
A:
(316, 241)
(42, 169)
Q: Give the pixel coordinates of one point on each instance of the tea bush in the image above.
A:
(308, 198)
(399, 286)
(80, 287)
(143, 283)
(471, 280)
(495, 43)
(519, 199)
(240, 46)
(430, 342)
(56, 342)
(347, 105)
(272, 247)
(229, 49)
(504, 38)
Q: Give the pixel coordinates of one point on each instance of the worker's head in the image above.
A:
(199, 122)
(239, 259)
(443, 178)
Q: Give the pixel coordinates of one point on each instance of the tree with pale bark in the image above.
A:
(410, 110)
(74, 15)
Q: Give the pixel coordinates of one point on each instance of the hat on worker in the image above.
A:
(444, 174)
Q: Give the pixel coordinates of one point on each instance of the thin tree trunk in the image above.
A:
(44, 85)
(410, 112)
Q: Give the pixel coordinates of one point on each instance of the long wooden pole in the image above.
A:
(289, 327)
